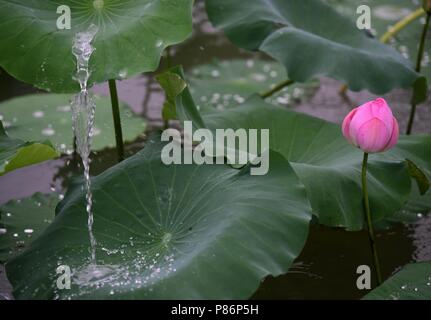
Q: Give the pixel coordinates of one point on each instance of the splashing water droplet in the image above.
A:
(258, 77)
(93, 274)
(38, 114)
(167, 237)
(215, 73)
(48, 131)
(122, 74)
(159, 43)
(96, 131)
(63, 108)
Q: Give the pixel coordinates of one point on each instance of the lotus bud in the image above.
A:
(371, 127)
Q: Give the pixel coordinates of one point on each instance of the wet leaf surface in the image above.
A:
(179, 231)
(49, 116)
(22, 221)
(131, 38)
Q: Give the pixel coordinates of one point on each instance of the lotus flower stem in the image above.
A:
(418, 69)
(168, 57)
(168, 65)
(400, 25)
(277, 88)
(369, 221)
(372, 128)
(117, 119)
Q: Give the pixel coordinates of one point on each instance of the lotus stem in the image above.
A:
(343, 89)
(168, 57)
(169, 65)
(369, 221)
(418, 69)
(400, 25)
(277, 88)
(117, 119)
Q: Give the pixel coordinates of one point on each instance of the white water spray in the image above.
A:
(83, 109)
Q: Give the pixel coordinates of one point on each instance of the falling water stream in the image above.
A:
(83, 109)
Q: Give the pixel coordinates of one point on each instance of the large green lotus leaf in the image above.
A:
(384, 14)
(328, 166)
(22, 221)
(224, 84)
(49, 116)
(414, 210)
(311, 39)
(132, 36)
(419, 204)
(15, 153)
(416, 148)
(412, 282)
(171, 231)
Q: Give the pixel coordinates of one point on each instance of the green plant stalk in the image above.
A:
(117, 119)
(418, 69)
(400, 25)
(277, 88)
(168, 57)
(169, 65)
(369, 221)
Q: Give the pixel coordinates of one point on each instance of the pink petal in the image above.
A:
(346, 124)
(374, 109)
(382, 111)
(373, 136)
(395, 134)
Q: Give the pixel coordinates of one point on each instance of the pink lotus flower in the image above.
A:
(371, 127)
